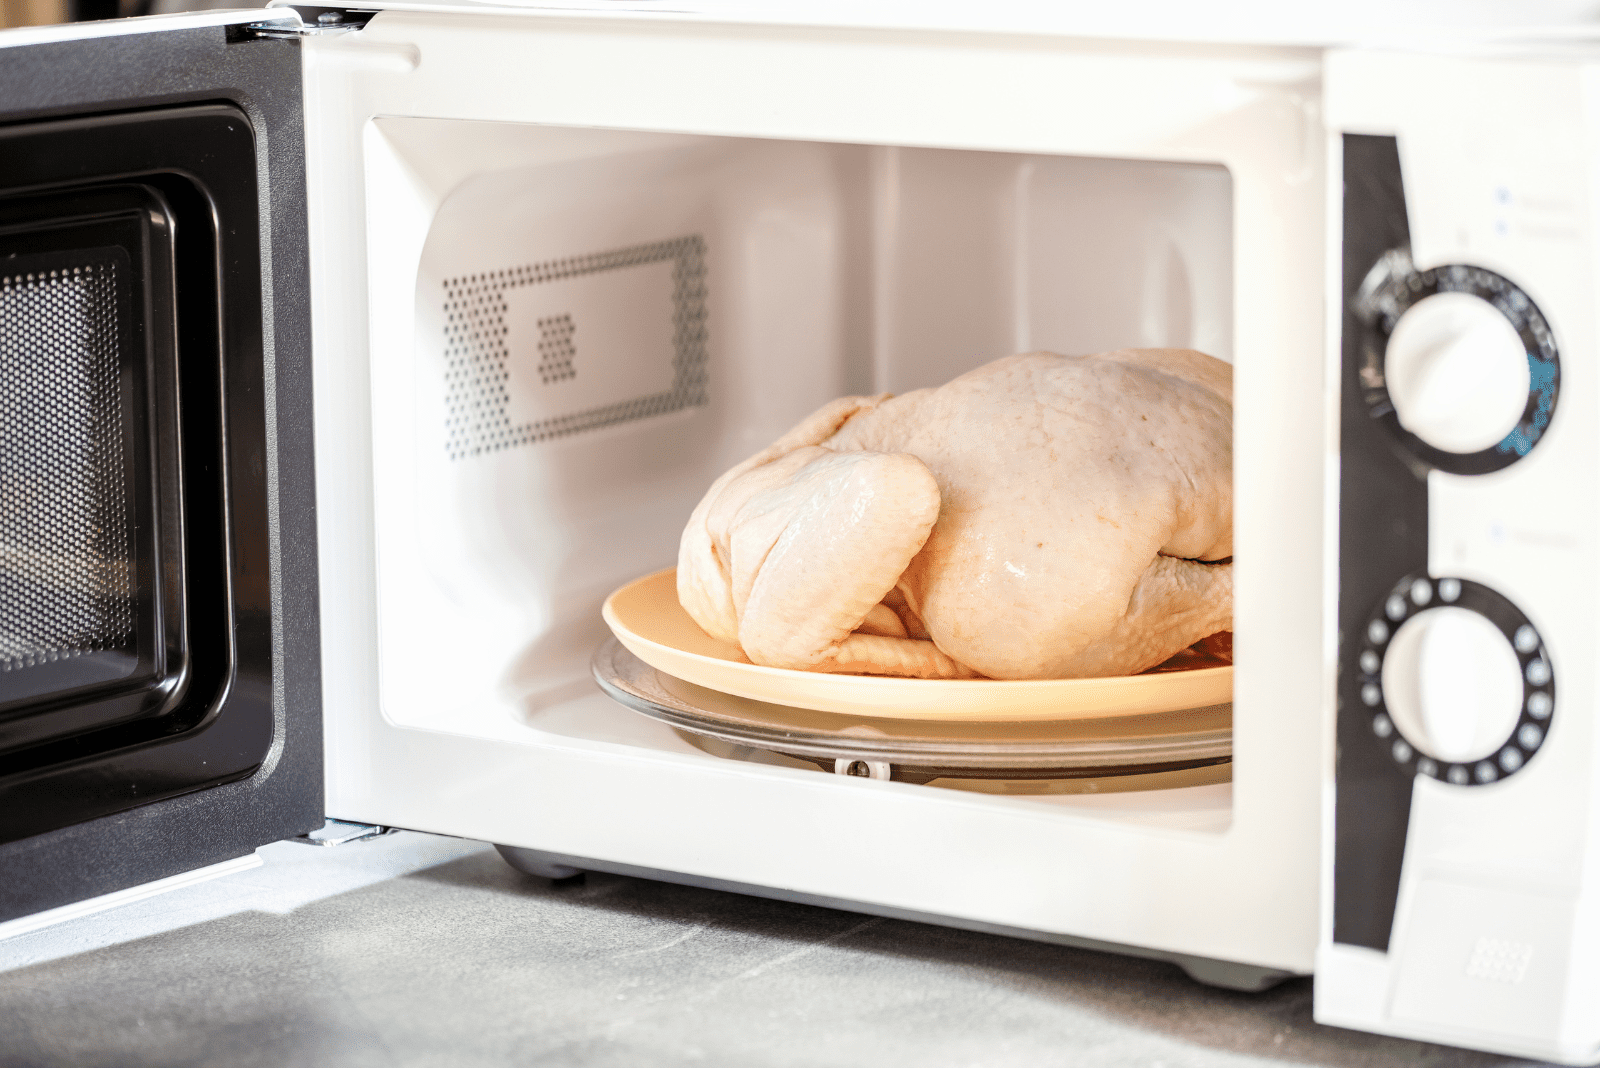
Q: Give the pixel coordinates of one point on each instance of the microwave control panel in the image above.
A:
(1465, 516)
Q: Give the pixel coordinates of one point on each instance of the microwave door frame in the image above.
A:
(154, 808)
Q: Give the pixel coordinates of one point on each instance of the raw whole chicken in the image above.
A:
(1040, 517)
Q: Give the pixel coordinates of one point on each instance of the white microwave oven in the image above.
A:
(349, 359)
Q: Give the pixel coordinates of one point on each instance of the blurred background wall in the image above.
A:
(42, 12)
(34, 12)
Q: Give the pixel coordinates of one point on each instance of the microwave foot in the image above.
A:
(1230, 975)
(537, 862)
(341, 832)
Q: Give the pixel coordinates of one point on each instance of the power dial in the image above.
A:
(1456, 362)
(1457, 681)
(1452, 684)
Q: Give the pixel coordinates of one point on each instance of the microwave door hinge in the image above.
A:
(342, 832)
(318, 22)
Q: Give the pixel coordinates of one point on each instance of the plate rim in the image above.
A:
(1169, 680)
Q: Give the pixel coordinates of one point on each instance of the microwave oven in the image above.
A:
(350, 358)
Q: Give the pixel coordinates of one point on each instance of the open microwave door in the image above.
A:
(160, 705)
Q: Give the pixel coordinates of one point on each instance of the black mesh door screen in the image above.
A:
(67, 528)
(91, 505)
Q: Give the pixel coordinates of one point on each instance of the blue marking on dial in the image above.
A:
(1542, 384)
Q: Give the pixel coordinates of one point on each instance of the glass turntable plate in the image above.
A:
(646, 617)
(921, 750)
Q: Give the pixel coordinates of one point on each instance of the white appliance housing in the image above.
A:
(884, 212)
(877, 198)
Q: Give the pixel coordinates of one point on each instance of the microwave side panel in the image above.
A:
(238, 355)
(436, 723)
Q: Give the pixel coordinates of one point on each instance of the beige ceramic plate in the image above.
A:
(647, 618)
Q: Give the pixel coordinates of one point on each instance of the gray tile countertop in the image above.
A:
(420, 950)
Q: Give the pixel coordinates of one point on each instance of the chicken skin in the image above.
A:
(1039, 517)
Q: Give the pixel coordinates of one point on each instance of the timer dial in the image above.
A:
(1456, 363)
(1457, 372)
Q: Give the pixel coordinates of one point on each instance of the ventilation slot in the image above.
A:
(566, 346)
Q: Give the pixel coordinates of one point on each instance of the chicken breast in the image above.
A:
(1043, 516)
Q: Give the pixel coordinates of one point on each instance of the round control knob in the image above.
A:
(1457, 372)
(1456, 363)
(1452, 683)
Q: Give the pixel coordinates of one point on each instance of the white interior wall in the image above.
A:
(984, 254)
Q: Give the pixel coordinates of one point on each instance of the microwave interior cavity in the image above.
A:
(575, 331)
